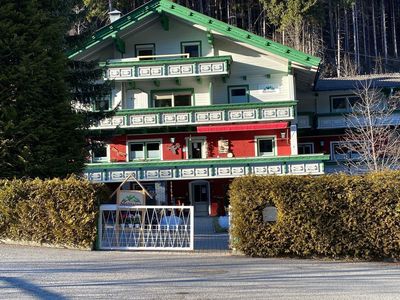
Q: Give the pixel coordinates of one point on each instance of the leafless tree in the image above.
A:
(372, 140)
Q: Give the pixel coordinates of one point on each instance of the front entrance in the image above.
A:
(200, 197)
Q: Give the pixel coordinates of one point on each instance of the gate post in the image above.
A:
(192, 227)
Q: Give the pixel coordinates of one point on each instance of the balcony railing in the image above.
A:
(129, 69)
(333, 121)
(208, 168)
(198, 115)
(305, 120)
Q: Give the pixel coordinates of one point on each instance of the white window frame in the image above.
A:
(172, 95)
(348, 105)
(101, 158)
(341, 157)
(266, 137)
(306, 144)
(145, 47)
(194, 43)
(143, 141)
(198, 139)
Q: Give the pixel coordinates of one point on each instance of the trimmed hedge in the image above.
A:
(61, 212)
(332, 216)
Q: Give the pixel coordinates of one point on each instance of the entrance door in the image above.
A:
(200, 197)
(196, 148)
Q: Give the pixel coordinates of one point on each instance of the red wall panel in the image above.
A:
(242, 144)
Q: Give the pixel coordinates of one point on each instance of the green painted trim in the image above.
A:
(290, 69)
(165, 61)
(193, 42)
(237, 86)
(214, 162)
(136, 54)
(203, 107)
(181, 12)
(119, 44)
(210, 38)
(152, 92)
(164, 20)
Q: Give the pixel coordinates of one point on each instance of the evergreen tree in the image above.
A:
(40, 134)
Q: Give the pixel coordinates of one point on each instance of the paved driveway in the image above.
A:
(41, 273)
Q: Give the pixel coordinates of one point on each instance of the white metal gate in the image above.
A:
(146, 227)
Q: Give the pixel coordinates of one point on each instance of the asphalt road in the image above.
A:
(43, 273)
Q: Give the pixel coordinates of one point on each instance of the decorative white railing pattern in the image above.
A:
(193, 117)
(146, 227)
(167, 70)
(212, 170)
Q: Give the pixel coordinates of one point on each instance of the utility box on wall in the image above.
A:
(270, 214)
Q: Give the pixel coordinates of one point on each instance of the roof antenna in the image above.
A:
(110, 5)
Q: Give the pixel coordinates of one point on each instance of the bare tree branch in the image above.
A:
(372, 141)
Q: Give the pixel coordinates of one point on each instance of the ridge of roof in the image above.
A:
(179, 11)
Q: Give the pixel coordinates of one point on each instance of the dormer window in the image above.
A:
(145, 50)
(191, 48)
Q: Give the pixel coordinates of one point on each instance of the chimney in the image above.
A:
(114, 15)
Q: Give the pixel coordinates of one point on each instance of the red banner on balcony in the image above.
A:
(242, 127)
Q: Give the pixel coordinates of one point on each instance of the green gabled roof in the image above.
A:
(181, 12)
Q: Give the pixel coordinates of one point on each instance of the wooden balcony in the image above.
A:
(199, 115)
(207, 168)
(160, 67)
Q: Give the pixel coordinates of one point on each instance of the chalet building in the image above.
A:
(322, 114)
(199, 102)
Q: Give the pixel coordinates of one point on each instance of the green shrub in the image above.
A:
(330, 216)
(59, 212)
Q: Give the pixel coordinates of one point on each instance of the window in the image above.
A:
(144, 150)
(266, 146)
(238, 94)
(306, 148)
(197, 147)
(145, 50)
(102, 104)
(99, 152)
(191, 48)
(172, 99)
(343, 103)
(341, 152)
